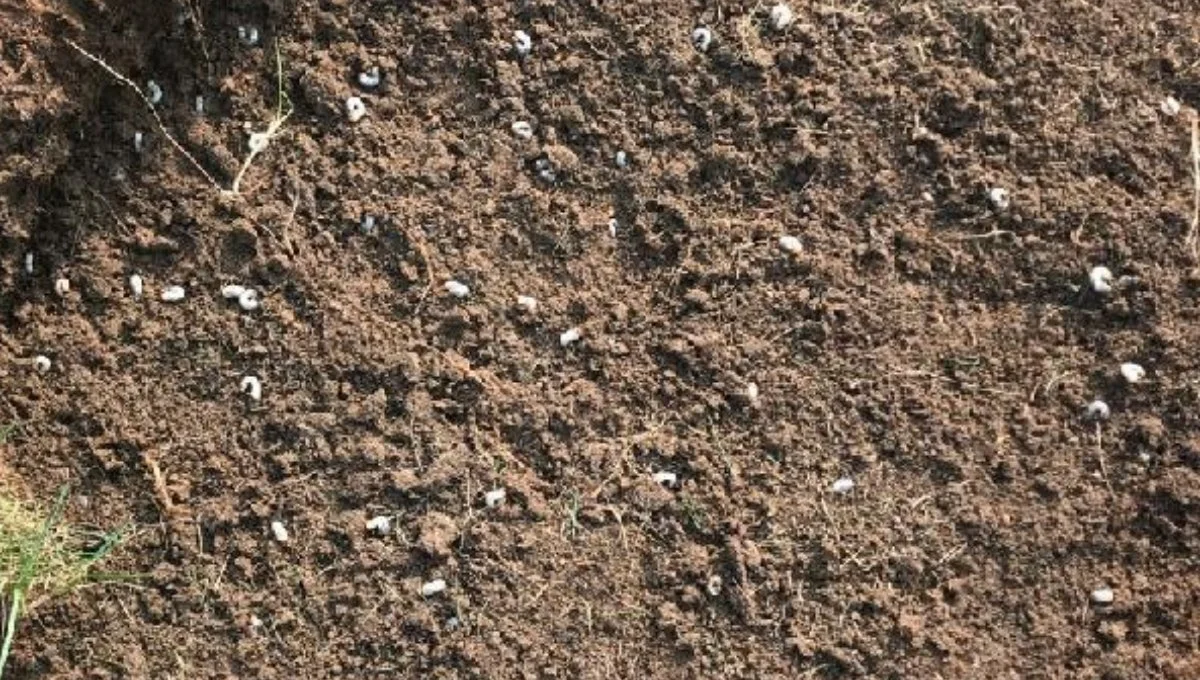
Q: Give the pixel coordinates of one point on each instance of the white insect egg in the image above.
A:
(1133, 373)
(433, 587)
(1101, 279)
(622, 160)
(62, 287)
(713, 587)
(251, 386)
(135, 285)
(781, 16)
(522, 129)
(355, 109)
(570, 336)
(843, 485)
(248, 35)
(370, 78)
(279, 531)
(702, 38)
(1103, 596)
(138, 140)
(668, 479)
(791, 245)
(41, 363)
(259, 141)
(494, 497)
(29, 263)
(527, 304)
(380, 524)
(1170, 107)
(249, 300)
(522, 43)
(999, 198)
(153, 92)
(173, 294)
(232, 291)
(457, 289)
(199, 105)
(1097, 410)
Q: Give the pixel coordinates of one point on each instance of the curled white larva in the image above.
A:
(1132, 373)
(527, 304)
(173, 294)
(258, 141)
(457, 289)
(135, 285)
(380, 524)
(251, 386)
(522, 43)
(41, 363)
(781, 16)
(702, 38)
(138, 141)
(791, 245)
(249, 300)
(153, 92)
(570, 336)
(1170, 107)
(843, 485)
(370, 78)
(62, 287)
(1101, 279)
(248, 35)
(1103, 596)
(279, 531)
(622, 160)
(433, 587)
(29, 263)
(522, 129)
(667, 479)
(355, 109)
(999, 198)
(232, 291)
(494, 497)
(1097, 410)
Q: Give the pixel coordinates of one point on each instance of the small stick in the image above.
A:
(1195, 228)
(991, 234)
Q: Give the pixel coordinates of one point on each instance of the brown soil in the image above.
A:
(936, 350)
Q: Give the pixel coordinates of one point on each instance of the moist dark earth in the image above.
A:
(933, 347)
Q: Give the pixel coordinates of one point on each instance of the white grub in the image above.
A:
(1132, 373)
(494, 497)
(999, 198)
(41, 363)
(1103, 596)
(356, 109)
(433, 587)
(251, 386)
(612, 227)
(1170, 107)
(249, 300)
(199, 105)
(1101, 279)
(457, 289)
(153, 92)
(702, 38)
(622, 160)
(843, 485)
(570, 336)
(667, 479)
(1097, 410)
(752, 393)
(232, 291)
(370, 78)
(713, 586)
(279, 531)
(781, 16)
(527, 304)
(522, 129)
(136, 286)
(138, 141)
(258, 142)
(522, 43)
(248, 35)
(62, 287)
(791, 245)
(29, 263)
(380, 524)
(173, 294)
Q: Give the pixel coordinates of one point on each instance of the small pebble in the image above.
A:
(1097, 410)
(494, 497)
(781, 16)
(667, 479)
(433, 587)
(457, 289)
(370, 78)
(843, 485)
(1133, 373)
(570, 336)
(136, 286)
(355, 109)
(522, 129)
(279, 531)
(702, 38)
(380, 524)
(1170, 107)
(1103, 596)
(527, 304)
(249, 300)
(1101, 279)
(252, 387)
(999, 198)
(522, 43)
(62, 287)
(153, 92)
(791, 244)
(41, 363)
(173, 294)
(232, 291)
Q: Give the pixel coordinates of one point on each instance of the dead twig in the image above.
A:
(1194, 230)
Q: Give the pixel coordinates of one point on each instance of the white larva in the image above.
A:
(232, 291)
(1097, 410)
(457, 289)
(380, 524)
(570, 336)
(702, 38)
(843, 485)
(29, 263)
(1133, 373)
(433, 587)
(279, 531)
(248, 35)
(522, 129)
(527, 304)
(153, 92)
(249, 300)
(612, 227)
(356, 109)
(752, 393)
(62, 287)
(136, 286)
(999, 198)
(781, 16)
(522, 43)
(667, 479)
(1101, 279)
(370, 78)
(199, 105)
(41, 363)
(622, 160)
(1103, 596)
(173, 294)
(258, 141)
(791, 245)
(138, 140)
(494, 498)
(1170, 107)
(251, 386)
